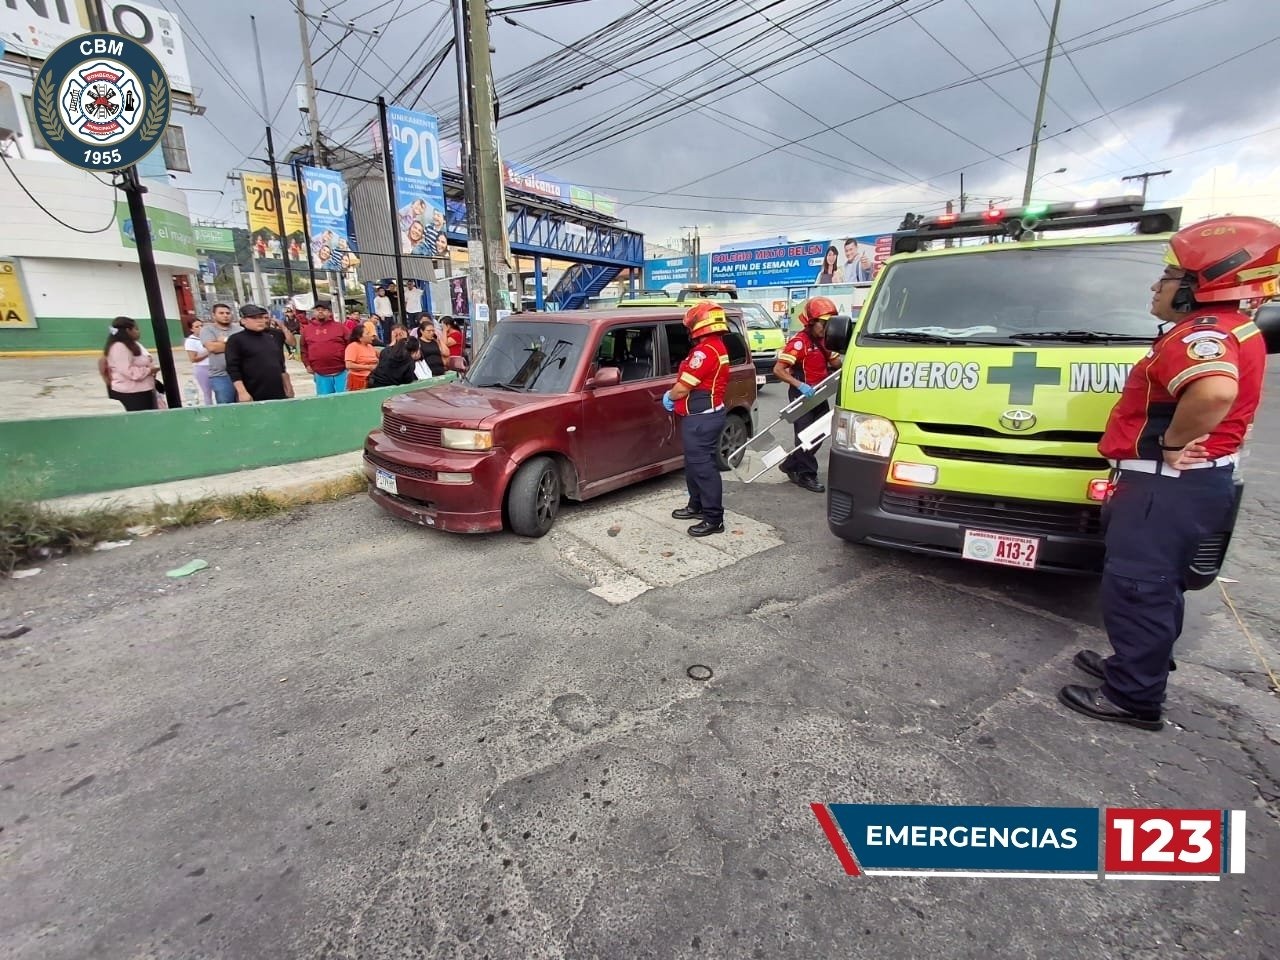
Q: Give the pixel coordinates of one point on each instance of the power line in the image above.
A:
(49, 213)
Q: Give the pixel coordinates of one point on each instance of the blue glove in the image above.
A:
(668, 404)
(805, 390)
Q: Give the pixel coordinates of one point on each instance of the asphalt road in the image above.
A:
(349, 738)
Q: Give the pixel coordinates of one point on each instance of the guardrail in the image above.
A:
(61, 456)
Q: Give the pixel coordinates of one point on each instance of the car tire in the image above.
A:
(533, 499)
(736, 432)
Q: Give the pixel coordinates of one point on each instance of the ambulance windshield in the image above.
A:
(1094, 292)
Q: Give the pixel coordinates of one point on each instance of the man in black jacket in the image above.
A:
(255, 358)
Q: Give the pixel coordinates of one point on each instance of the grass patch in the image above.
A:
(31, 532)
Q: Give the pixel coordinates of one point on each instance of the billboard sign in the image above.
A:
(327, 216)
(419, 182)
(264, 226)
(214, 239)
(171, 232)
(661, 272)
(810, 263)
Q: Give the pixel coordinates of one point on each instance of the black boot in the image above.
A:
(705, 529)
(687, 513)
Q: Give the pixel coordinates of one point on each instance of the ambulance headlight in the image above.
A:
(864, 433)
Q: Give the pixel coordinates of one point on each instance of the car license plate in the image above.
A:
(759, 380)
(385, 480)
(1001, 548)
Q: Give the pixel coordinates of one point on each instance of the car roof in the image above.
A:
(598, 317)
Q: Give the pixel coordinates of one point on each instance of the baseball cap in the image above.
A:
(252, 310)
(324, 302)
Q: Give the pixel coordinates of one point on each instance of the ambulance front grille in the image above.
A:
(1051, 461)
(1057, 436)
(998, 513)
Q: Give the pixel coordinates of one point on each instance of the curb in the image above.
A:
(46, 354)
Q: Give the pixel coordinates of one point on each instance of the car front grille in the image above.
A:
(400, 470)
(967, 430)
(1052, 461)
(1035, 516)
(408, 431)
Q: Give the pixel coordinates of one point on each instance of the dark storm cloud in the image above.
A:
(896, 144)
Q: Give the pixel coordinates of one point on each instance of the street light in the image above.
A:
(1051, 173)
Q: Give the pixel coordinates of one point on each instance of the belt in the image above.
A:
(704, 412)
(1160, 468)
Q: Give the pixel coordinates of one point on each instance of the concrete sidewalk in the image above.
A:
(284, 479)
(38, 387)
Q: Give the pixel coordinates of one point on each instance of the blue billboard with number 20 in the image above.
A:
(415, 155)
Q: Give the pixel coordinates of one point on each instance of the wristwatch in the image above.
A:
(1164, 447)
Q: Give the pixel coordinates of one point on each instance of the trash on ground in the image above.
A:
(23, 574)
(111, 545)
(142, 529)
(188, 569)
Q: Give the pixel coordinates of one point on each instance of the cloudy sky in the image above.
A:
(764, 118)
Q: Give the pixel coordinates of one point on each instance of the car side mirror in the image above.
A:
(605, 377)
(456, 364)
(839, 334)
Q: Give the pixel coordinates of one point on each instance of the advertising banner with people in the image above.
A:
(327, 217)
(810, 263)
(264, 225)
(419, 184)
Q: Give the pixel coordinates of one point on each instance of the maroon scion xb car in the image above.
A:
(556, 405)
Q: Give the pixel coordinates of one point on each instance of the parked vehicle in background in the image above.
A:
(556, 405)
(765, 336)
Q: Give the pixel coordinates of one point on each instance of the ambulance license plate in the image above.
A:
(385, 480)
(759, 380)
(1001, 548)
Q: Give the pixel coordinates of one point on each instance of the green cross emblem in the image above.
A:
(1024, 376)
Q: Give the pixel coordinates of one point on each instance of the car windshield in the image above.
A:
(1095, 292)
(757, 318)
(529, 357)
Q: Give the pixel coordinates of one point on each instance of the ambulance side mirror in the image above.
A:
(839, 334)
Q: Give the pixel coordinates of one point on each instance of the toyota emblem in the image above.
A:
(1017, 420)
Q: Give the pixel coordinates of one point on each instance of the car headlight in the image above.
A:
(864, 433)
(466, 439)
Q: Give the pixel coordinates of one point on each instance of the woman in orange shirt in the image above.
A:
(361, 357)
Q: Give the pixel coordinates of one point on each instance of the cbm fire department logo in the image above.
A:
(102, 102)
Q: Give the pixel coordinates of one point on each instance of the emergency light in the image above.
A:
(1021, 223)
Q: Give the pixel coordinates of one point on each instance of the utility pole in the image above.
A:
(313, 117)
(1044, 89)
(475, 247)
(1144, 177)
(950, 210)
(133, 189)
(693, 244)
(488, 173)
(271, 162)
(962, 191)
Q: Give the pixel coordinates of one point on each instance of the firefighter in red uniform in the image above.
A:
(698, 399)
(803, 364)
(1174, 438)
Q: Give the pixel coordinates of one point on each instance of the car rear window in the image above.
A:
(1102, 288)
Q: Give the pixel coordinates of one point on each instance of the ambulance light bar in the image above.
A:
(1022, 223)
(707, 290)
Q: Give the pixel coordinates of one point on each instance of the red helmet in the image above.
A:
(818, 308)
(705, 317)
(1230, 258)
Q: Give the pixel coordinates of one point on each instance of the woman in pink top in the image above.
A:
(131, 368)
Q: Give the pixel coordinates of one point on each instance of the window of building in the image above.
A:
(37, 137)
(174, 145)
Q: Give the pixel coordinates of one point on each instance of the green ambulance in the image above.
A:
(977, 381)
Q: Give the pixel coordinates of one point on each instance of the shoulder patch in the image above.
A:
(1206, 350)
(695, 359)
